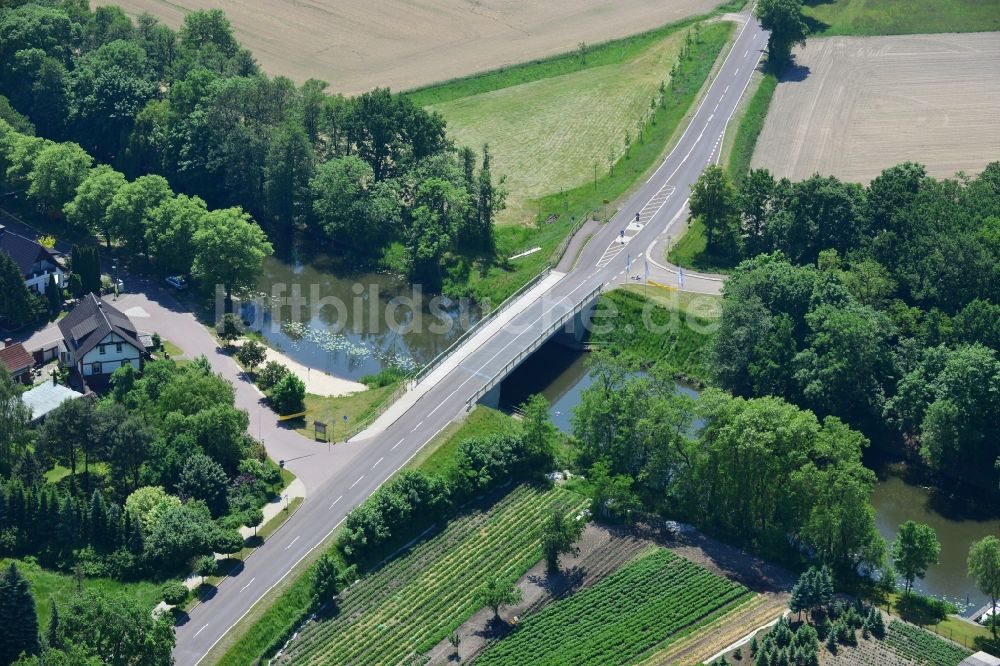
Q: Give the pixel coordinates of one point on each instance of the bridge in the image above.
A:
(473, 368)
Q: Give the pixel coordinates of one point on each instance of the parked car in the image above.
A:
(177, 282)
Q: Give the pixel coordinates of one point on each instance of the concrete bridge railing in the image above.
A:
(537, 342)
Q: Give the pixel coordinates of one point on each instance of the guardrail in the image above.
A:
(414, 379)
(538, 342)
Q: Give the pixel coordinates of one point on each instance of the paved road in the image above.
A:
(341, 480)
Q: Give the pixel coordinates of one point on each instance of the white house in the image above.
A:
(36, 261)
(98, 339)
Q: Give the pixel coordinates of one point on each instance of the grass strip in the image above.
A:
(879, 17)
(587, 56)
(750, 127)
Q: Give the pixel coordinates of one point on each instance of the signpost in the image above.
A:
(320, 428)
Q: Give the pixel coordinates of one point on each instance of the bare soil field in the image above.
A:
(856, 105)
(357, 45)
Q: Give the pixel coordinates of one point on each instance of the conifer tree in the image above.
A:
(18, 621)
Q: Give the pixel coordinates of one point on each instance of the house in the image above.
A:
(36, 261)
(18, 361)
(98, 339)
(47, 396)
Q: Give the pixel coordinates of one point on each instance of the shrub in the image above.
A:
(288, 396)
(174, 593)
(271, 374)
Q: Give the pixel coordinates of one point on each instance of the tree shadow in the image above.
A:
(795, 73)
(495, 628)
(206, 592)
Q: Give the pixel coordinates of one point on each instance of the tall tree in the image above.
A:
(130, 207)
(18, 620)
(58, 171)
(89, 206)
(14, 417)
(496, 593)
(289, 167)
(559, 536)
(788, 28)
(230, 250)
(170, 231)
(15, 299)
(714, 200)
(915, 549)
(984, 569)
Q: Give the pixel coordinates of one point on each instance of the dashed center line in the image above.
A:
(357, 482)
(292, 543)
(397, 444)
(417, 426)
(377, 462)
(248, 584)
(335, 501)
(200, 630)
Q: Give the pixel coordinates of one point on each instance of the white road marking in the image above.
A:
(248, 584)
(736, 72)
(397, 444)
(377, 462)
(357, 482)
(335, 501)
(199, 631)
(726, 90)
(291, 544)
(747, 53)
(417, 426)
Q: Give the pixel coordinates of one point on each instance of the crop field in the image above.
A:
(358, 45)
(891, 17)
(411, 604)
(903, 645)
(872, 102)
(646, 604)
(557, 133)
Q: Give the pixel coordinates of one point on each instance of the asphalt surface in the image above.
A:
(340, 480)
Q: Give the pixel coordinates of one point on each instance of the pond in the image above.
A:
(560, 375)
(351, 325)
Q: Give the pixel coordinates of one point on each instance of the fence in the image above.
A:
(536, 343)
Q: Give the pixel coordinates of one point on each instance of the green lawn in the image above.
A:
(47, 585)
(900, 17)
(691, 251)
(331, 411)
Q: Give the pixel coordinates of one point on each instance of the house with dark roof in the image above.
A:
(18, 361)
(37, 262)
(98, 339)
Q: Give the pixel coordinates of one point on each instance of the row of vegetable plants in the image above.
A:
(643, 605)
(411, 604)
(922, 646)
